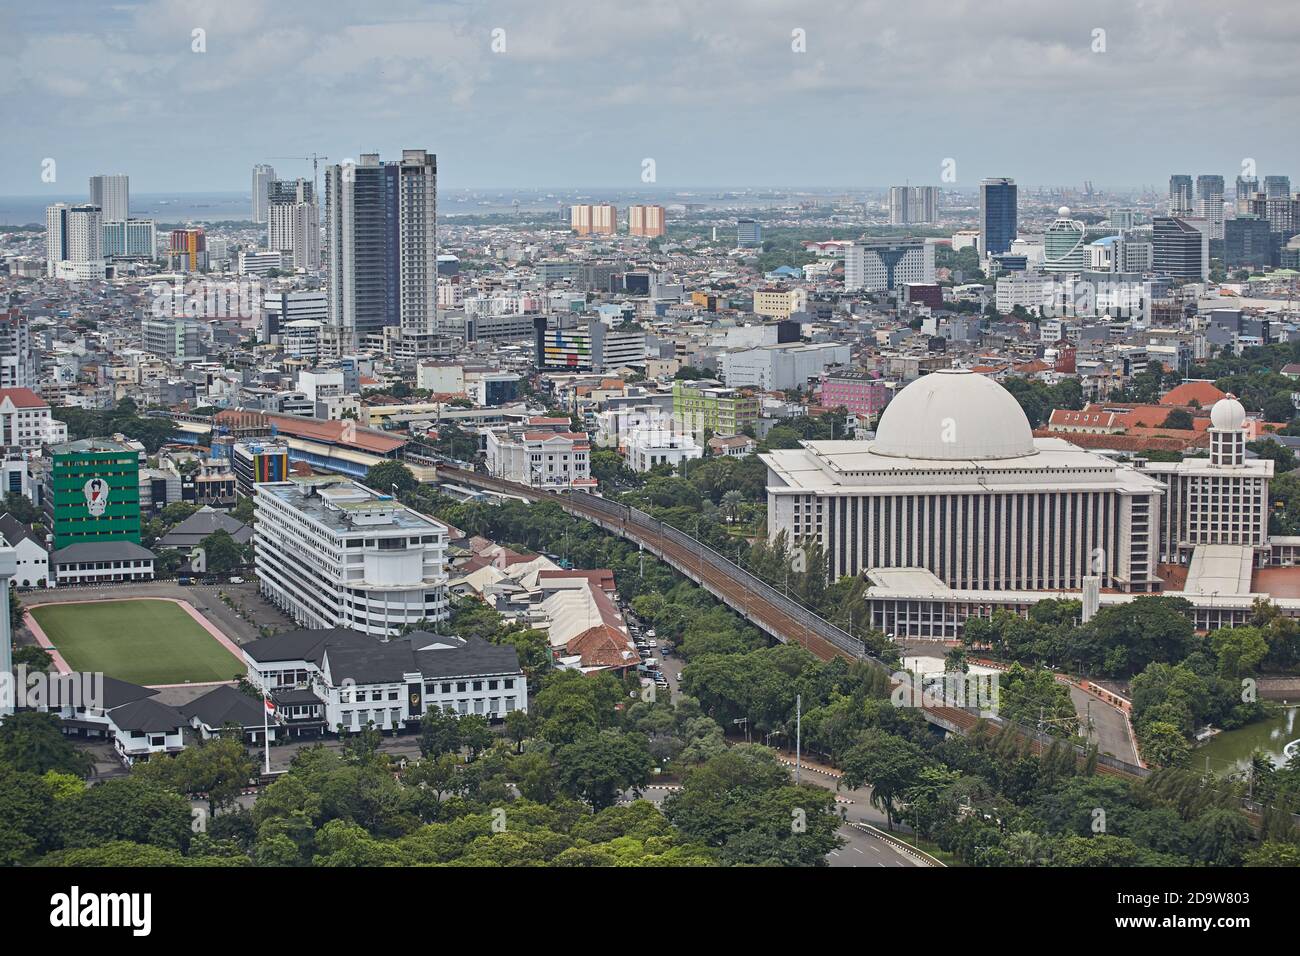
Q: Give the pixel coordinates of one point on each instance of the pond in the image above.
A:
(1231, 750)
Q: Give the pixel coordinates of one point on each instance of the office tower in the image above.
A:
(187, 250)
(262, 177)
(1282, 213)
(998, 220)
(74, 242)
(381, 223)
(882, 265)
(1248, 241)
(645, 221)
(599, 219)
(130, 239)
(112, 194)
(1277, 187)
(1181, 201)
(1209, 203)
(1180, 249)
(749, 233)
(1247, 186)
(900, 205)
(1122, 218)
(293, 222)
(1063, 248)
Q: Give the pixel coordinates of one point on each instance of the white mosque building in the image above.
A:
(955, 509)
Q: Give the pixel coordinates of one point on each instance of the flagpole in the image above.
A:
(266, 729)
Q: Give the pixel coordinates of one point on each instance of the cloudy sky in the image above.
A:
(579, 92)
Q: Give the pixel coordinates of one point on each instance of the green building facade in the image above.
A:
(92, 492)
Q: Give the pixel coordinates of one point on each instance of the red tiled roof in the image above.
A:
(1204, 393)
(334, 432)
(23, 398)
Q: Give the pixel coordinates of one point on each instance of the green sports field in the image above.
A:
(144, 642)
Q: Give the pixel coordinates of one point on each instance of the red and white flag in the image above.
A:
(270, 705)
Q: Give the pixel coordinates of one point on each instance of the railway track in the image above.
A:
(743, 598)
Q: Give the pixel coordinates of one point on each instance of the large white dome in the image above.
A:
(954, 415)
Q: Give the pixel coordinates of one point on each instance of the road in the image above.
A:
(1110, 730)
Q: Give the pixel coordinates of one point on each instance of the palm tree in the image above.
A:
(731, 503)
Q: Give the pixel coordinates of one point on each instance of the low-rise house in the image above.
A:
(102, 562)
(33, 561)
(226, 708)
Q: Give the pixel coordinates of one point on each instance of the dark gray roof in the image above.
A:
(100, 551)
(369, 660)
(113, 692)
(13, 531)
(202, 523)
(225, 705)
(473, 656)
(147, 716)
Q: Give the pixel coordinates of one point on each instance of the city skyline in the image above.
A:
(511, 96)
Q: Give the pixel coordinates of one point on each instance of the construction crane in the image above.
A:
(314, 159)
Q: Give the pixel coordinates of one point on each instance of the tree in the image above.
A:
(32, 742)
(383, 476)
(597, 767)
(890, 764)
(219, 768)
(221, 551)
(439, 733)
(20, 507)
(1178, 418)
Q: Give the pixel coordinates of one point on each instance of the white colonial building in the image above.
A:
(333, 553)
(323, 680)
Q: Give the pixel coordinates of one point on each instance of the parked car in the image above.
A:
(236, 580)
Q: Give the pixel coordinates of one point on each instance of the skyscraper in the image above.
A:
(74, 238)
(293, 222)
(749, 233)
(600, 219)
(112, 194)
(645, 221)
(1179, 249)
(1277, 187)
(381, 235)
(998, 216)
(1247, 186)
(1209, 203)
(1181, 200)
(913, 204)
(1063, 249)
(262, 176)
(900, 205)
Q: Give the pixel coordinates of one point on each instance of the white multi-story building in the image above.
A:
(112, 194)
(262, 177)
(540, 455)
(1029, 290)
(881, 265)
(334, 553)
(324, 680)
(74, 242)
(293, 224)
(25, 421)
(17, 359)
(649, 446)
(788, 365)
